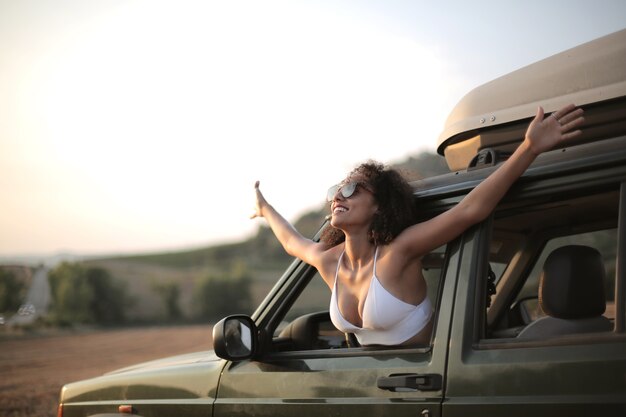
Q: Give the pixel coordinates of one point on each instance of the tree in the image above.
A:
(71, 294)
(85, 295)
(11, 291)
(218, 296)
(169, 292)
(109, 301)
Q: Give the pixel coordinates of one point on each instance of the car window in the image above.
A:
(315, 297)
(557, 257)
(306, 324)
(603, 240)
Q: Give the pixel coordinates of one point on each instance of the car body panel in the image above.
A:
(186, 382)
(578, 376)
(339, 382)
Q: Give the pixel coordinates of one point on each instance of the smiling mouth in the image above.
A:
(339, 209)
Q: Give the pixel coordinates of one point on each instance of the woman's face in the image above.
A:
(352, 203)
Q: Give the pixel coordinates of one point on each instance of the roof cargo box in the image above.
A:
(496, 114)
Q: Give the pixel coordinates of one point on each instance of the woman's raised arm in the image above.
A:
(292, 241)
(542, 134)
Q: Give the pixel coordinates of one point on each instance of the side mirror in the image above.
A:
(234, 338)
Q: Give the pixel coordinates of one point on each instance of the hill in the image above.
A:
(261, 255)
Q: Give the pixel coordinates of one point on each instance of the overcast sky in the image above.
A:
(142, 125)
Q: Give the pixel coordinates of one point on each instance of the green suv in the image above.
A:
(529, 304)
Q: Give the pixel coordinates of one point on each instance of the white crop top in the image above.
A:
(387, 320)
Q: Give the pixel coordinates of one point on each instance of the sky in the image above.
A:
(141, 125)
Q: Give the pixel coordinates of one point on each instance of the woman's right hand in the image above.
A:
(260, 202)
(292, 241)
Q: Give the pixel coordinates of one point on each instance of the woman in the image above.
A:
(370, 257)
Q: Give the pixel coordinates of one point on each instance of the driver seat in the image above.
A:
(571, 293)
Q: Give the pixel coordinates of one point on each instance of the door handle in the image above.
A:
(402, 382)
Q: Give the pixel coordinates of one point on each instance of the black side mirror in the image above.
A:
(234, 338)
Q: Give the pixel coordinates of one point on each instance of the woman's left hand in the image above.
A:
(259, 203)
(544, 133)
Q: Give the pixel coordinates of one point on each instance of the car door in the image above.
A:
(357, 381)
(495, 367)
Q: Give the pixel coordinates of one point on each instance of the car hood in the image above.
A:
(183, 377)
(186, 359)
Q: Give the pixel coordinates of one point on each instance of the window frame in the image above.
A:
(295, 285)
(479, 318)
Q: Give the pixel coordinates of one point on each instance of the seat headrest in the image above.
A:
(572, 283)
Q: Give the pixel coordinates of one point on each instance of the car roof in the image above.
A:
(587, 157)
(593, 72)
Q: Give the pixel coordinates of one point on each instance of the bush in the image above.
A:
(219, 296)
(12, 291)
(170, 293)
(109, 301)
(82, 295)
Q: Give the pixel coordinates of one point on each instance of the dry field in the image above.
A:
(33, 368)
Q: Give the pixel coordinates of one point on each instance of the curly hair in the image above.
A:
(396, 209)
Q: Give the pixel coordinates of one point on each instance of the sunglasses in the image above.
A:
(346, 189)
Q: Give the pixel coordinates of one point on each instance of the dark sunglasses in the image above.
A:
(346, 190)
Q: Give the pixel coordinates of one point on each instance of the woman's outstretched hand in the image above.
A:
(544, 133)
(260, 202)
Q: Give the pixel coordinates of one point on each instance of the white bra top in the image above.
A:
(387, 320)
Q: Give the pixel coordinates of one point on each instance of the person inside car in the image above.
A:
(370, 254)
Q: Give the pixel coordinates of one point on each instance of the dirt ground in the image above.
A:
(33, 368)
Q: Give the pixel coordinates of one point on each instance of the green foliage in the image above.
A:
(109, 301)
(196, 257)
(85, 295)
(71, 296)
(219, 296)
(170, 293)
(12, 291)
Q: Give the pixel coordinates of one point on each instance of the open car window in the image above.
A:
(306, 324)
(557, 258)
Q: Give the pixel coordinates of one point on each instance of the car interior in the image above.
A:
(556, 264)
